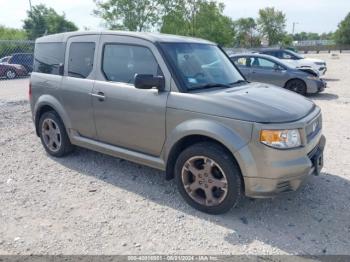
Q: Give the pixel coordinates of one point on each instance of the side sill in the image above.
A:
(118, 152)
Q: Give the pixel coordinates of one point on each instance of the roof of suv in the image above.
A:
(269, 49)
(152, 37)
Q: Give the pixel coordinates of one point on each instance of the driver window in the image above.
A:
(122, 62)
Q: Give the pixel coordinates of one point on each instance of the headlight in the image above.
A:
(320, 63)
(282, 139)
(312, 77)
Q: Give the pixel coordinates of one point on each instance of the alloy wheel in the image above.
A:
(10, 74)
(51, 135)
(204, 181)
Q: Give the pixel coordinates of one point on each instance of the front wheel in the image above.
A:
(10, 74)
(297, 86)
(208, 178)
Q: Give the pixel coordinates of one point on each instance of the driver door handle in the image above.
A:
(100, 96)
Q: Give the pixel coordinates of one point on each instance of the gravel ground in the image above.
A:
(89, 203)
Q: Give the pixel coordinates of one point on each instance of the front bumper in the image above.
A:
(321, 85)
(267, 171)
(322, 70)
(315, 86)
(295, 174)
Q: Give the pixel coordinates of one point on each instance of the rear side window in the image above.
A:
(122, 62)
(48, 57)
(242, 61)
(81, 59)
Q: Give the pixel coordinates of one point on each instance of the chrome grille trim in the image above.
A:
(313, 128)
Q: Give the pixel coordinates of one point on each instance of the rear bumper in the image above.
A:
(293, 176)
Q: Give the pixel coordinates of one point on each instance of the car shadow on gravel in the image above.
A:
(313, 220)
(331, 79)
(323, 96)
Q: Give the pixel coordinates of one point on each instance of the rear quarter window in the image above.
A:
(241, 61)
(81, 59)
(48, 57)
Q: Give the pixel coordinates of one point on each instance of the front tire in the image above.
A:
(208, 178)
(10, 74)
(297, 85)
(53, 135)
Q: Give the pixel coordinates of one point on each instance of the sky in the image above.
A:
(309, 15)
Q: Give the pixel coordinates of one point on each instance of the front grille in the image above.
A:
(313, 128)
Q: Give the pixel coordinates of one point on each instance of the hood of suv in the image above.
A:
(304, 62)
(313, 60)
(255, 102)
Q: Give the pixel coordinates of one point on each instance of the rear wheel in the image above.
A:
(53, 135)
(208, 178)
(297, 86)
(10, 74)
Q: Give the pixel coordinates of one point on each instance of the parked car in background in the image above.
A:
(24, 59)
(12, 71)
(297, 60)
(268, 69)
(177, 104)
(5, 59)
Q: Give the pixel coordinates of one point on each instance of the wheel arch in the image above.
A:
(293, 79)
(193, 132)
(48, 103)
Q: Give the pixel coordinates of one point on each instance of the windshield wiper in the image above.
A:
(210, 85)
(239, 82)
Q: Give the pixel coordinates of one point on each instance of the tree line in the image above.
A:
(197, 18)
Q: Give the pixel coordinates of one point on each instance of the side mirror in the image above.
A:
(61, 69)
(149, 81)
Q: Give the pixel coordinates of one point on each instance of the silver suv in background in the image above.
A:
(268, 69)
(176, 104)
(297, 60)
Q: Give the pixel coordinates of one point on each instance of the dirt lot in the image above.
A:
(89, 203)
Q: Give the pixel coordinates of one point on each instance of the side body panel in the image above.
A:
(271, 76)
(234, 134)
(246, 71)
(46, 91)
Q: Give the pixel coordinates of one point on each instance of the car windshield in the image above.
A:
(202, 65)
(294, 54)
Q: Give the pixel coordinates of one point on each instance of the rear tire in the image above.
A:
(208, 178)
(53, 135)
(297, 85)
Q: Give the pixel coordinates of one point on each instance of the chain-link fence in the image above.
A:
(16, 58)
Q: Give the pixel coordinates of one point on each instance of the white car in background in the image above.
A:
(297, 60)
